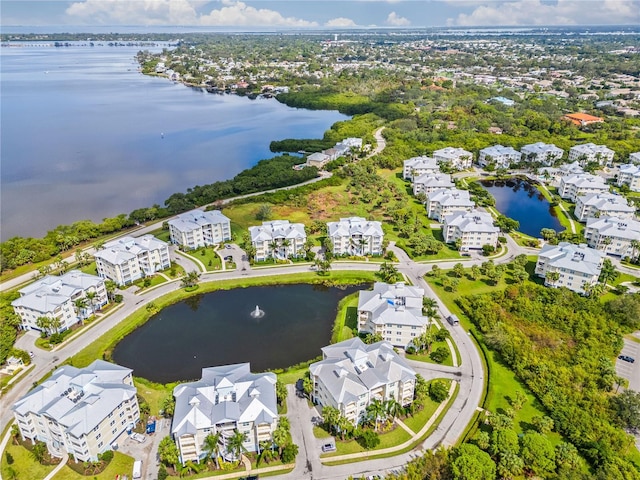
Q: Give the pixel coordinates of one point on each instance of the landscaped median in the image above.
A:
(399, 440)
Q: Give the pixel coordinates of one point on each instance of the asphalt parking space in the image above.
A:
(628, 370)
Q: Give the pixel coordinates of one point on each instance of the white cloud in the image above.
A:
(340, 22)
(179, 12)
(563, 12)
(397, 21)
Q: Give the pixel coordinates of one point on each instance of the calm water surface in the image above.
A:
(81, 136)
(520, 200)
(217, 329)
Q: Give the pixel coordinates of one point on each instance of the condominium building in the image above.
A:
(573, 168)
(634, 158)
(500, 156)
(576, 265)
(614, 235)
(197, 229)
(590, 152)
(356, 236)
(127, 259)
(57, 298)
(351, 375)
(79, 411)
(392, 311)
(544, 153)
(473, 229)
(226, 399)
(603, 204)
(430, 182)
(458, 158)
(278, 239)
(629, 175)
(581, 184)
(417, 166)
(447, 202)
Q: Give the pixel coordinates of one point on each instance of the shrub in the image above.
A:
(440, 354)
(162, 472)
(9, 458)
(56, 338)
(441, 335)
(118, 298)
(438, 391)
(106, 456)
(369, 439)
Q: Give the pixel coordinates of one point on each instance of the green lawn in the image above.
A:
(90, 269)
(154, 280)
(424, 356)
(390, 439)
(120, 465)
(418, 421)
(346, 319)
(24, 465)
(208, 257)
(162, 234)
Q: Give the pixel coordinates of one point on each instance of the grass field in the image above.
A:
(24, 465)
(120, 465)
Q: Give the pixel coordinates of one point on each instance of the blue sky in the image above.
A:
(319, 13)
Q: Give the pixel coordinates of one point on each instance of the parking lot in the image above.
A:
(629, 370)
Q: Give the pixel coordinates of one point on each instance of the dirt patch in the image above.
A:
(323, 205)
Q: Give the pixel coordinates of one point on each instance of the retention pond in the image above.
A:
(218, 328)
(520, 199)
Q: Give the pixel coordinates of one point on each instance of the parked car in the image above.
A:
(328, 447)
(626, 358)
(31, 354)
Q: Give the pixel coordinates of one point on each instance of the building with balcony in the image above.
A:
(278, 239)
(356, 236)
(603, 204)
(127, 259)
(472, 230)
(392, 311)
(629, 175)
(227, 399)
(581, 184)
(430, 182)
(544, 153)
(351, 375)
(417, 166)
(442, 203)
(614, 236)
(79, 411)
(57, 298)
(573, 266)
(590, 152)
(197, 229)
(457, 158)
(634, 158)
(500, 156)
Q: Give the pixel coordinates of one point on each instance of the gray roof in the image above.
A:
(452, 153)
(587, 148)
(48, 293)
(451, 198)
(585, 180)
(228, 393)
(406, 308)
(421, 162)
(630, 169)
(196, 219)
(498, 150)
(347, 227)
(277, 229)
(607, 201)
(614, 227)
(351, 368)
(127, 248)
(579, 258)
(571, 168)
(540, 148)
(473, 221)
(435, 180)
(79, 399)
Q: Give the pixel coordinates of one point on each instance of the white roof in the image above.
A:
(579, 258)
(228, 393)
(396, 303)
(630, 169)
(615, 227)
(79, 399)
(347, 227)
(607, 201)
(127, 248)
(196, 219)
(351, 368)
(452, 153)
(421, 162)
(473, 221)
(541, 147)
(588, 148)
(586, 180)
(571, 168)
(48, 293)
(435, 180)
(277, 229)
(451, 198)
(499, 150)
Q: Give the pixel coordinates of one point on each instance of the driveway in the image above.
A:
(630, 371)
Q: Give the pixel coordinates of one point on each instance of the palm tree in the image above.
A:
(211, 446)
(44, 323)
(376, 411)
(285, 244)
(430, 307)
(635, 247)
(15, 433)
(235, 445)
(330, 415)
(91, 296)
(110, 286)
(552, 277)
(281, 436)
(344, 426)
(80, 304)
(393, 408)
(273, 246)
